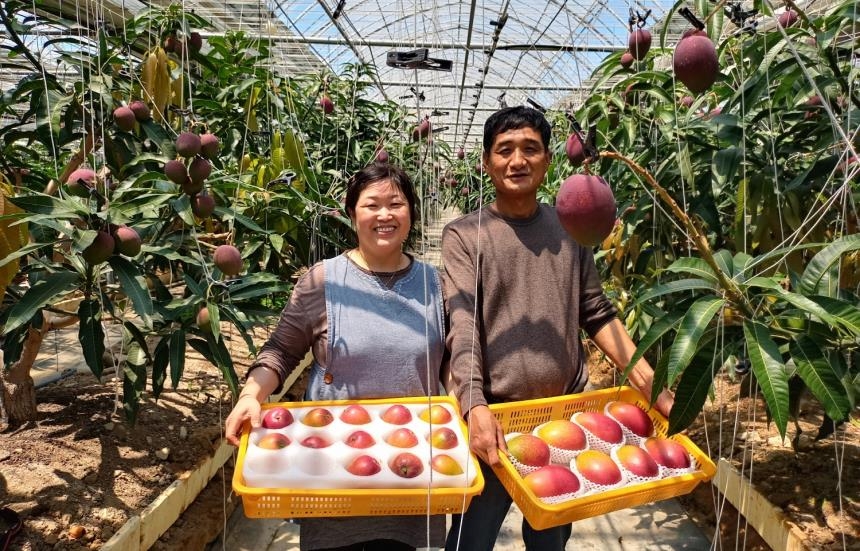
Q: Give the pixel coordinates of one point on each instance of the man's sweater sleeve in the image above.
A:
(461, 284)
(596, 309)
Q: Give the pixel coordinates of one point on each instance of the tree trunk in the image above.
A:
(17, 392)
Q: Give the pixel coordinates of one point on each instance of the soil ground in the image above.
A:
(80, 465)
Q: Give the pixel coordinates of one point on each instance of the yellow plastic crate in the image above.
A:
(524, 416)
(300, 502)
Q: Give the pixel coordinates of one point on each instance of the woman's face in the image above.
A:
(381, 218)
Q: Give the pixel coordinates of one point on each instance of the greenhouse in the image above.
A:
(376, 274)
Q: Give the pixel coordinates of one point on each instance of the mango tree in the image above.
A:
(736, 246)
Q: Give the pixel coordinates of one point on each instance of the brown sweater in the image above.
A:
(536, 289)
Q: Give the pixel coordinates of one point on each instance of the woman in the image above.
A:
(373, 318)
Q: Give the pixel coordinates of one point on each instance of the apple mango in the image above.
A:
(598, 468)
(445, 464)
(273, 441)
(563, 434)
(364, 465)
(528, 449)
(398, 414)
(318, 417)
(552, 480)
(406, 465)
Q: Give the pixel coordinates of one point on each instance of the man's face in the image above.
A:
(517, 162)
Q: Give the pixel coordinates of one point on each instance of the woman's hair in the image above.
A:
(512, 118)
(377, 172)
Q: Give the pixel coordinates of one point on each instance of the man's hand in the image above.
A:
(664, 402)
(246, 408)
(486, 435)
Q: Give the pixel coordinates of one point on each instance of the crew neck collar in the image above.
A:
(492, 209)
(401, 271)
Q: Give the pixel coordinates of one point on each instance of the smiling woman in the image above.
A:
(381, 205)
(341, 310)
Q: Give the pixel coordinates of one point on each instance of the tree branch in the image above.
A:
(730, 287)
(20, 43)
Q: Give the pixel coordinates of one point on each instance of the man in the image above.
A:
(519, 292)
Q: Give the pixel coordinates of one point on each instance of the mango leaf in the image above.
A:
(91, 335)
(276, 241)
(846, 314)
(23, 251)
(228, 213)
(46, 290)
(13, 343)
(202, 347)
(796, 299)
(133, 381)
(161, 358)
(693, 266)
(725, 165)
(738, 226)
(159, 135)
(182, 208)
(818, 267)
(134, 286)
(776, 256)
(177, 356)
(134, 333)
(237, 318)
(256, 285)
(656, 332)
(740, 264)
(661, 375)
(169, 254)
(822, 378)
(196, 289)
(691, 329)
(214, 320)
(769, 371)
(224, 362)
(690, 395)
(674, 287)
(45, 204)
(724, 260)
(216, 353)
(140, 205)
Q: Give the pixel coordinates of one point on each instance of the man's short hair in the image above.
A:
(511, 118)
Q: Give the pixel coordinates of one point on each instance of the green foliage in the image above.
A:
(278, 181)
(762, 174)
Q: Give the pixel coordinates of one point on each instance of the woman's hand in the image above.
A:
(258, 387)
(247, 408)
(485, 435)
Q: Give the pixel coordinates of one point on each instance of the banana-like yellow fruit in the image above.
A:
(161, 94)
(294, 152)
(253, 125)
(147, 77)
(177, 92)
(12, 237)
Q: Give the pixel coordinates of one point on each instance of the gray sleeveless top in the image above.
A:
(382, 343)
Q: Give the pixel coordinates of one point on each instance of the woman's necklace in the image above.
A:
(385, 282)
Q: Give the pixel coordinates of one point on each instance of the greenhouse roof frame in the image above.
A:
(510, 52)
(543, 52)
